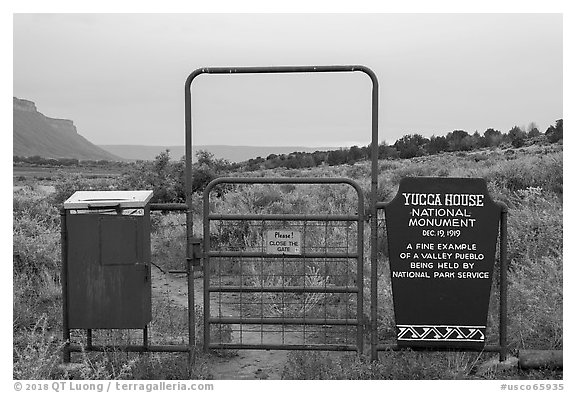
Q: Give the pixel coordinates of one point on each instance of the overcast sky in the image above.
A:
(120, 77)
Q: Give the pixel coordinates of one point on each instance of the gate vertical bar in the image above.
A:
(360, 274)
(374, 224)
(190, 276)
(206, 267)
(189, 221)
(503, 283)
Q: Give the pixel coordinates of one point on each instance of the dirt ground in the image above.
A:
(247, 364)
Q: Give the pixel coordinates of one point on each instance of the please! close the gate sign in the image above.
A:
(283, 242)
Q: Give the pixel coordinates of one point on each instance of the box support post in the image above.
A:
(64, 280)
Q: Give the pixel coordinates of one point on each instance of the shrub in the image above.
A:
(536, 299)
(36, 352)
(544, 171)
(169, 241)
(535, 226)
(400, 365)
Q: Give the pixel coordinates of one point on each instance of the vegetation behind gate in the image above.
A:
(529, 180)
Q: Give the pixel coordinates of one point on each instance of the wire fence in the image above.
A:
(313, 300)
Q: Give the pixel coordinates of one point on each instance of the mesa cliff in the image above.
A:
(35, 134)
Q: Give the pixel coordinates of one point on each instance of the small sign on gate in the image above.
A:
(283, 242)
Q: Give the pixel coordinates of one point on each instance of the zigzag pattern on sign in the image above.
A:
(441, 333)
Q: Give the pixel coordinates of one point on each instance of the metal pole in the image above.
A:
(64, 280)
(360, 274)
(132, 348)
(189, 224)
(206, 266)
(374, 224)
(503, 283)
(191, 313)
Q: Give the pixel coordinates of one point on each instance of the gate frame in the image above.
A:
(372, 213)
(358, 256)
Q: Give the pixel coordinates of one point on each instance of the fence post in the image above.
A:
(64, 280)
(374, 222)
(503, 283)
(190, 276)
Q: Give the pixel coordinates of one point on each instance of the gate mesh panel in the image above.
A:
(261, 300)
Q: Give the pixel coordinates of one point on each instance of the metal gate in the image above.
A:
(307, 294)
(299, 328)
(283, 281)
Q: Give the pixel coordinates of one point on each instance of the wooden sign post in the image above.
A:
(442, 243)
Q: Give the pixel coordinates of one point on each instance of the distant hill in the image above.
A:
(230, 153)
(38, 135)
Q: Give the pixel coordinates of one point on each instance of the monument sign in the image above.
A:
(442, 243)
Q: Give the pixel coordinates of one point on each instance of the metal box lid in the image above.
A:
(106, 199)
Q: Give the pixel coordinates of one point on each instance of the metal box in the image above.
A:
(108, 260)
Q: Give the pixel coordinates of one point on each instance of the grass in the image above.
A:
(529, 181)
(402, 365)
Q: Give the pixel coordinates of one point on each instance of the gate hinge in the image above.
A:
(367, 215)
(196, 252)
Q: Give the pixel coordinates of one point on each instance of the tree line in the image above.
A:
(69, 162)
(167, 177)
(409, 146)
(412, 145)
